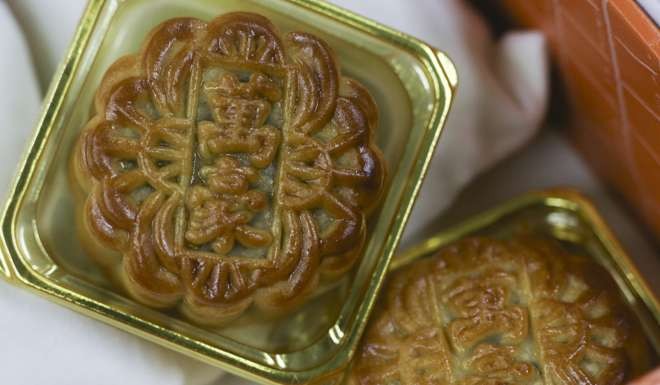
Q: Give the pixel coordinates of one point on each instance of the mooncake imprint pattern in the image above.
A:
(227, 165)
(487, 312)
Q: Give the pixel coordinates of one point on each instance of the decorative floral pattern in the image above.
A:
(228, 167)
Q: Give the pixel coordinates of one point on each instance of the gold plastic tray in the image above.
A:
(412, 84)
(570, 218)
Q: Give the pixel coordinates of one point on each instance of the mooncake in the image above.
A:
(491, 312)
(227, 165)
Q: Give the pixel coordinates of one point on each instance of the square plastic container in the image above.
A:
(412, 84)
(561, 223)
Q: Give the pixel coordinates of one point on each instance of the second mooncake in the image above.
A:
(227, 165)
(490, 312)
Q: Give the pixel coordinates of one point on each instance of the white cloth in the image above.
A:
(500, 102)
(652, 8)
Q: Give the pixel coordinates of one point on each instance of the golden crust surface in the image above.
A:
(490, 312)
(227, 165)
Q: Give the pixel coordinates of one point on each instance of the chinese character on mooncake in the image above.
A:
(227, 165)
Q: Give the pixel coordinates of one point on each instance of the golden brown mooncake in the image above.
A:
(227, 165)
(490, 312)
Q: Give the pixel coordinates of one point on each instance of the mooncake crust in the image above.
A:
(486, 312)
(227, 165)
